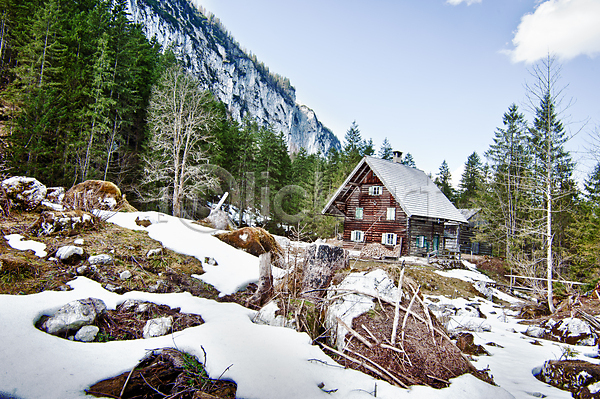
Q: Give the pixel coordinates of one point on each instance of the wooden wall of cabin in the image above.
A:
(374, 222)
(429, 228)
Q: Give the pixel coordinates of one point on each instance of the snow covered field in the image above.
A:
(264, 361)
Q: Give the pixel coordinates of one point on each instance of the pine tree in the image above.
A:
(353, 145)
(443, 181)
(386, 151)
(504, 197)
(408, 160)
(554, 188)
(470, 180)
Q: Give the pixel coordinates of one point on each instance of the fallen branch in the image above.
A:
(373, 337)
(412, 300)
(362, 363)
(354, 332)
(378, 366)
(397, 308)
(151, 387)
(126, 381)
(416, 316)
(426, 311)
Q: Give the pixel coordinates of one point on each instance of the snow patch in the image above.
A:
(15, 241)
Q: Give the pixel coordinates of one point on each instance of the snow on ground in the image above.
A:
(235, 269)
(265, 362)
(16, 241)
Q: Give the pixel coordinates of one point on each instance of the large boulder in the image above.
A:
(74, 315)
(254, 240)
(219, 220)
(571, 330)
(95, 194)
(24, 192)
(69, 222)
(579, 377)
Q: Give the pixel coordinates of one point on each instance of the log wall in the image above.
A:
(374, 222)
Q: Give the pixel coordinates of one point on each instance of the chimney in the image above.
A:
(397, 156)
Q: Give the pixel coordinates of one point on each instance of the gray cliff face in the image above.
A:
(244, 85)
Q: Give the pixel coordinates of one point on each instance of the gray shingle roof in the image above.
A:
(412, 188)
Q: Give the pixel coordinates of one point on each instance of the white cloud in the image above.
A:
(566, 28)
(457, 2)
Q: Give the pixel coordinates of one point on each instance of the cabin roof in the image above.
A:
(412, 189)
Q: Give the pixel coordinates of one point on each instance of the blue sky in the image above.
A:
(433, 76)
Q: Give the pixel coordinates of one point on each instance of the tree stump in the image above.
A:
(264, 292)
(322, 261)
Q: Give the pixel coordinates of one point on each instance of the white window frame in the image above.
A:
(359, 213)
(389, 238)
(391, 214)
(421, 241)
(375, 190)
(357, 236)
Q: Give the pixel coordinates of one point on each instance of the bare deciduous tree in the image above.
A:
(181, 119)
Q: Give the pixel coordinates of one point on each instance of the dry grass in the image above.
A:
(128, 248)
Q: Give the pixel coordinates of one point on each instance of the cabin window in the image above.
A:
(357, 236)
(391, 214)
(388, 238)
(421, 242)
(375, 190)
(358, 214)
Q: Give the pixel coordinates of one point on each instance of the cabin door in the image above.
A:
(436, 242)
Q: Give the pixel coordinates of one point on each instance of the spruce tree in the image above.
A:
(443, 181)
(470, 180)
(386, 151)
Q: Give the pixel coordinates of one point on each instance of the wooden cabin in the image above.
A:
(467, 239)
(395, 205)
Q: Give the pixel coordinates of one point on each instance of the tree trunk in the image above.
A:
(322, 261)
(265, 281)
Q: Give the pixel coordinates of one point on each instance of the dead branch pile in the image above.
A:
(404, 344)
(165, 373)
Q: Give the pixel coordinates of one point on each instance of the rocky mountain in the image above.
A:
(237, 79)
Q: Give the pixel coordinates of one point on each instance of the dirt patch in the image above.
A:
(165, 373)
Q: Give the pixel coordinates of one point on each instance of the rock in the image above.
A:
(219, 220)
(87, 333)
(102, 259)
(135, 304)
(572, 331)
(70, 254)
(321, 263)
(94, 194)
(125, 275)
(254, 240)
(210, 261)
(157, 327)
(142, 222)
(24, 192)
(55, 195)
(78, 241)
(74, 315)
(466, 344)
(57, 221)
(86, 270)
(154, 252)
(266, 315)
(577, 376)
(347, 307)
(157, 286)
